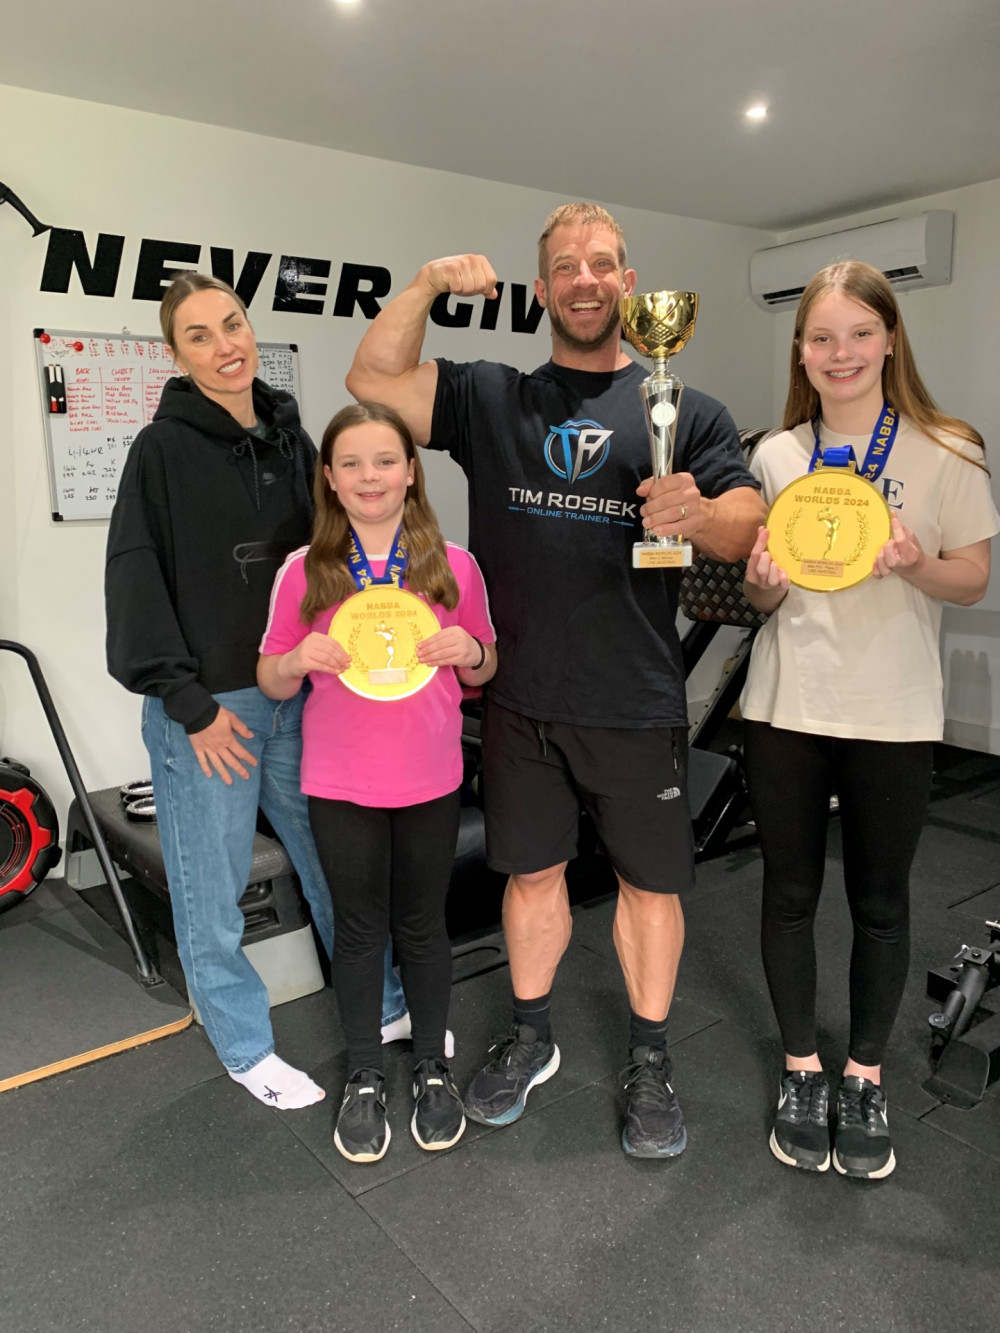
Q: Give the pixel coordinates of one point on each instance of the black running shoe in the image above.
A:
(801, 1133)
(362, 1133)
(654, 1122)
(861, 1145)
(517, 1063)
(438, 1115)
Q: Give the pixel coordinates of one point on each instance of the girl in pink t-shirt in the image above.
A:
(382, 775)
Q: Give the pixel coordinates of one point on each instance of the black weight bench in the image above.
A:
(277, 935)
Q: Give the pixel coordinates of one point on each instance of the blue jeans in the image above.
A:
(206, 834)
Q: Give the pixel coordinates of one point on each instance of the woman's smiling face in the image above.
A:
(215, 345)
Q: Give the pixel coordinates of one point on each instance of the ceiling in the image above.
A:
(635, 102)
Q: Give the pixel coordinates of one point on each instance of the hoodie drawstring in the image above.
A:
(239, 449)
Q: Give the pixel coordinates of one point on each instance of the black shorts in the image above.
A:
(632, 782)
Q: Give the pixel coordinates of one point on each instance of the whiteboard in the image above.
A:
(98, 391)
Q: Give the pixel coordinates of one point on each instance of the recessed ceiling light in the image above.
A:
(756, 112)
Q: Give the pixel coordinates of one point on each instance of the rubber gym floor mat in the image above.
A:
(69, 991)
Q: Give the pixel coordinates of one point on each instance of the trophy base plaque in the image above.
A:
(671, 555)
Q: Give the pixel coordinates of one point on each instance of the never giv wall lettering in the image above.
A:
(301, 284)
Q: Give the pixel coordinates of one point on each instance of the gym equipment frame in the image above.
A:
(965, 1057)
(147, 974)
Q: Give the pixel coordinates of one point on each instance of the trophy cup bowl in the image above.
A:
(658, 325)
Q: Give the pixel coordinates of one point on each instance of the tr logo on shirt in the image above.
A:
(576, 449)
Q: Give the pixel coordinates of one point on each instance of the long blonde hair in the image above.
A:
(902, 386)
(328, 579)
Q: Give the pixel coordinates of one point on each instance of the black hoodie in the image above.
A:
(206, 513)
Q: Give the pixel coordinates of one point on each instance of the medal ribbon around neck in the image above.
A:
(879, 447)
(360, 568)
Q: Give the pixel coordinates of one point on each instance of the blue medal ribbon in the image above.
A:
(879, 447)
(395, 567)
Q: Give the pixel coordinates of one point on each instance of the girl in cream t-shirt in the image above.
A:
(844, 696)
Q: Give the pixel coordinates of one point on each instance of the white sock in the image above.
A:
(401, 1028)
(275, 1083)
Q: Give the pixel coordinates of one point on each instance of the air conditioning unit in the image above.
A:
(912, 252)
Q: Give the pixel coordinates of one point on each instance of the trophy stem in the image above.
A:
(661, 394)
(661, 400)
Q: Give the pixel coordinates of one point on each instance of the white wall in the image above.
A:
(955, 331)
(101, 169)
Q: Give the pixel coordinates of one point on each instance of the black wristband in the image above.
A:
(482, 655)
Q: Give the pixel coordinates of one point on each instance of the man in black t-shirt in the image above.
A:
(588, 704)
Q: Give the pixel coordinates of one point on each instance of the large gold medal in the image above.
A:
(827, 528)
(380, 627)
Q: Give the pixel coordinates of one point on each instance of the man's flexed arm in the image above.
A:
(387, 366)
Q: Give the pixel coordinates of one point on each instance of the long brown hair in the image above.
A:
(327, 577)
(902, 386)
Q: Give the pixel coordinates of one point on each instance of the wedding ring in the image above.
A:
(684, 512)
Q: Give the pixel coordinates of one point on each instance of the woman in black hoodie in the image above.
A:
(214, 495)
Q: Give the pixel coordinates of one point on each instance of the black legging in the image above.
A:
(389, 869)
(883, 788)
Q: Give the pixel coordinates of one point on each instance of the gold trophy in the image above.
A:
(659, 324)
